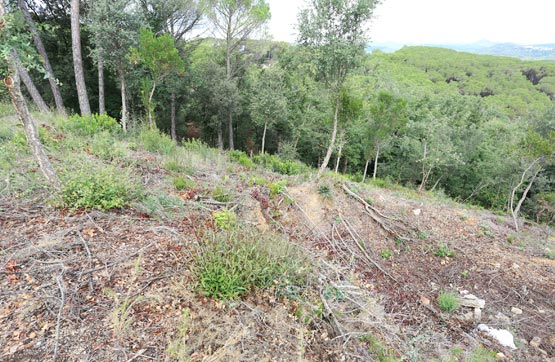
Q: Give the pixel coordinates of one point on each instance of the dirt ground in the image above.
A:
(94, 286)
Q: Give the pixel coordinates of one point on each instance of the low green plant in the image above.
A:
(241, 158)
(225, 219)
(90, 125)
(277, 188)
(221, 195)
(382, 183)
(448, 301)
(380, 352)
(101, 188)
(105, 146)
(511, 239)
(278, 165)
(155, 141)
(422, 235)
(464, 274)
(443, 251)
(182, 183)
(386, 254)
(174, 166)
(549, 254)
(177, 348)
(162, 205)
(231, 264)
(482, 354)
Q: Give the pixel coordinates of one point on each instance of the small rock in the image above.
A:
(516, 310)
(417, 212)
(542, 351)
(477, 314)
(502, 318)
(552, 340)
(425, 300)
(500, 356)
(472, 301)
(468, 316)
(503, 336)
(535, 342)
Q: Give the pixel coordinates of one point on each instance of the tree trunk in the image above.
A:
(264, 137)
(332, 140)
(173, 118)
(341, 144)
(376, 163)
(124, 116)
(220, 136)
(150, 119)
(78, 60)
(29, 84)
(365, 170)
(229, 76)
(230, 131)
(13, 86)
(516, 210)
(42, 52)
(101, 99)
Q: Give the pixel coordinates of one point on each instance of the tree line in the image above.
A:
(481, 129)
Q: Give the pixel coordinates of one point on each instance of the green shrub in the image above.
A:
(105, 146)
(382, 183)
(549, 254)
(325, 190)
(275, 164)
(155, 141)
(378, 349)
(231, 264)
(225, 219)
(443, 251)
(174, 166)
(89, 125)
(277, 188)
(482, 354)
(106, 188)
(447, 301)
(241, 158)
(183, 183)
(386, 254)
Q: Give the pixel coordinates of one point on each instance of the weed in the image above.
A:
(386, 254)
(549, 254)
(241, 158)
(225, 219)
(464, 274)
(89, 125)
(511, 239)
(104, 146)
(422, 235)
(464, 217)
(257, 180)
(369, 201)
(377, 348)
(276, 164)
(174, 166)
(447, 301)
(482, 354)
(162, 205)
(443, 251)
(155, 141)
(231, 264)
(177, 349)
(182, 183)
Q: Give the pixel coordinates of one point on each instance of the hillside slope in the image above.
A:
(363, 266)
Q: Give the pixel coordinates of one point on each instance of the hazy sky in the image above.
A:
(441, 21)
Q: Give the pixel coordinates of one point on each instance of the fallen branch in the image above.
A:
(61, 287)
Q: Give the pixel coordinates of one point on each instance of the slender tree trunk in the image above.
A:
(230, 131)
(516, 210)
(264, 136)
(13, 86)
(124, 116)
(173, 117)
(220, 136)
(229, 76)
(339, 152)
(78, 60)
(42, 52)
(150, 119)
(425, 176)
(376, 163)
(101, 99)
(29, 84)
(332, 140)
(365, 170)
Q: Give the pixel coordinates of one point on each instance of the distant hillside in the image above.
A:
(522, 51)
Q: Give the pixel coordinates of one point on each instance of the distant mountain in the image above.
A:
(522, 51)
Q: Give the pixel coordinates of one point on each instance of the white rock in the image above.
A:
(502, 318)
(477, 314)
(470, 300)
(516, 310)
(535, 342)
(503, 336)
(416, 212)
(500, 356)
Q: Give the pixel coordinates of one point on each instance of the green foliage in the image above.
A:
(276, 188)
(325, 190)
(182, 183)
(102, 188)
(549, 254)
(163, 206)
(386, 254)
(105, 146)
(174, 166)
(443, 251)
(482, 354)
(177, 349)
(155, 141)
(220, 194)
(225, 219)
(241, 158)
(448, 301)
(275, 164)
(231, 264)
(378, 349)
(90, 125)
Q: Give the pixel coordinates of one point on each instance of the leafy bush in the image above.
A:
(277, 188)
(155, 141)
(241, 158)
(447, 301)
(325, 190)
(231, 264)
(221, 195)
(386, 254)
(225, 219)
(174, 166)
(105, 189)
(89, 125)
(106, 147)
(182, 183)
(275, 164)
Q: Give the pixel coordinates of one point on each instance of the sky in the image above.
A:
(441, 21)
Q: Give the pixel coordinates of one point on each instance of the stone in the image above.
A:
(551, 340)
(470, 300)
(417, 212)
(503, 336)
(516, 310)
(502, 318)
(535, 342)
(500, 356)
(425, 300)
(477, 314)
